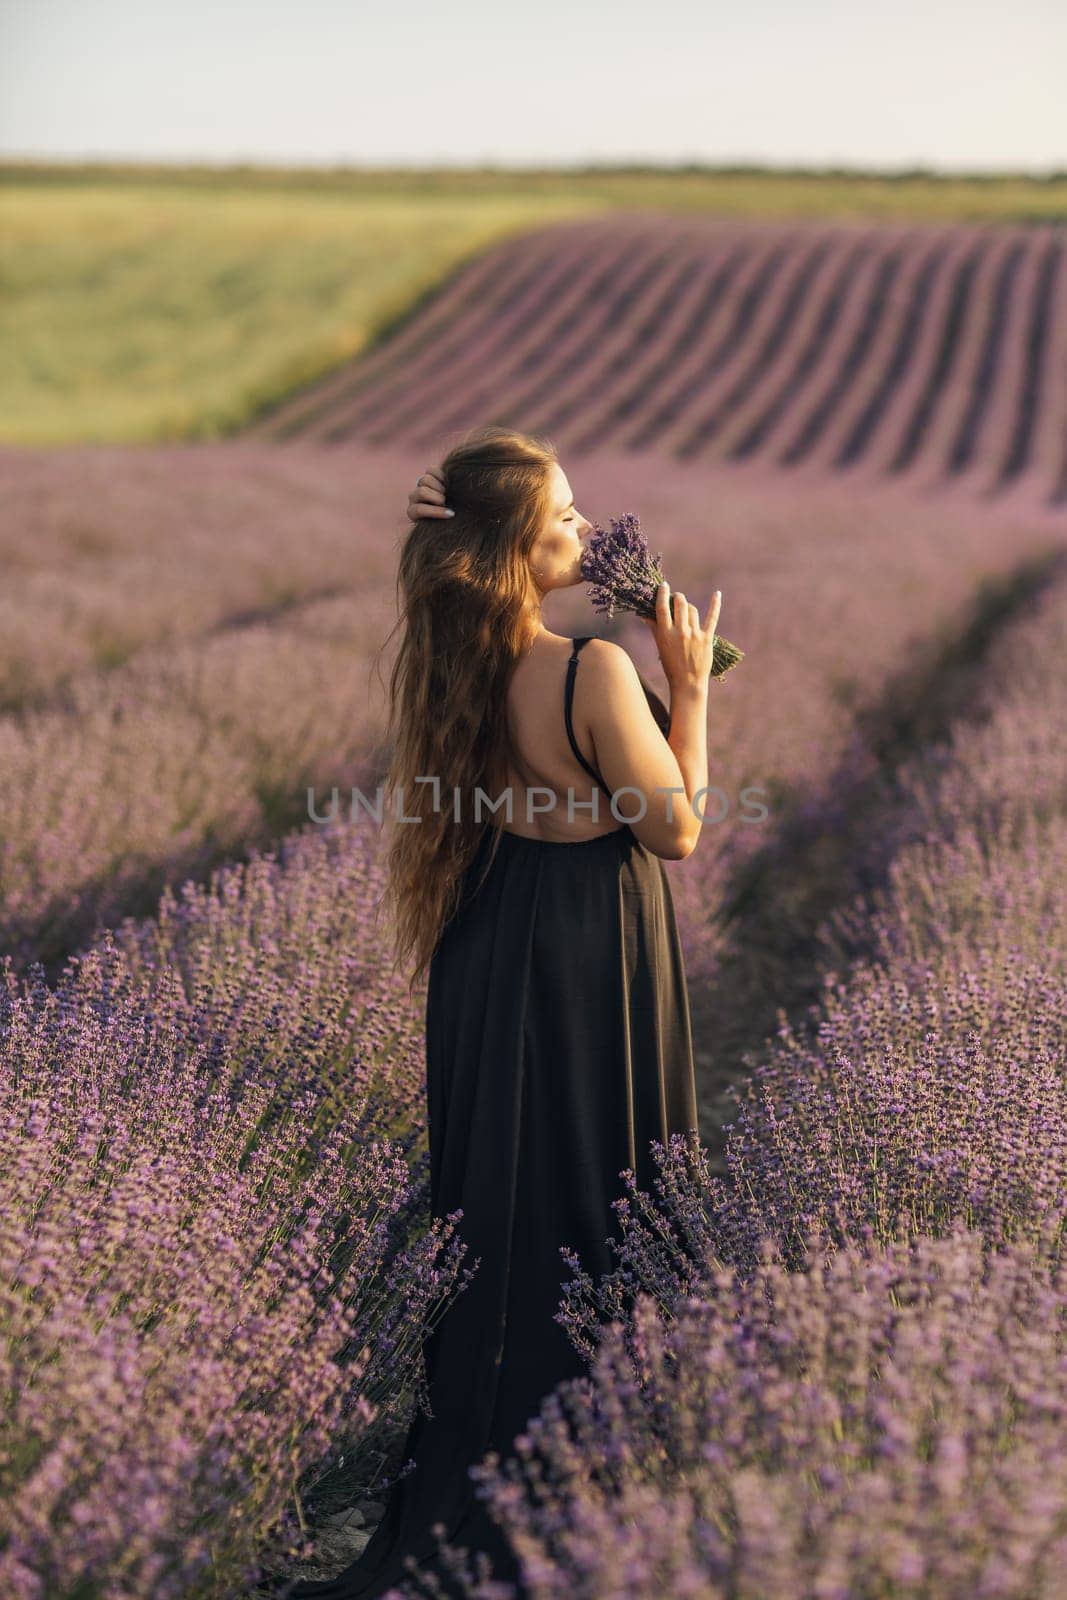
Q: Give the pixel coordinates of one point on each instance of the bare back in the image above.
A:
(538, 727)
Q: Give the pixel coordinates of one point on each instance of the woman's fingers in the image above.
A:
(713, 610)
(427, 499)
(431, 486)
(425, 508)
(421, 508)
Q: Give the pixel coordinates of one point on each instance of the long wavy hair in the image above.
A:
(463, 607)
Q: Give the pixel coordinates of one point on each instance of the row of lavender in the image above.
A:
(929, 352)
(215, 1253)
(177, 667)
(843, 1372)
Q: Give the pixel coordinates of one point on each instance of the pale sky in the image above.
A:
(941, 83)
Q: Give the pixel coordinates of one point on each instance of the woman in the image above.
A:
(558, 1039)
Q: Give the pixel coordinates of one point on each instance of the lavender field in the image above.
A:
(832, 1359)
(931, 353)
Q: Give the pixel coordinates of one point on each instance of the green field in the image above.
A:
(160, 303)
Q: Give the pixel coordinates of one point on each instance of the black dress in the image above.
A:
(558, 1045)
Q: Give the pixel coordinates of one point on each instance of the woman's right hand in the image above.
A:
(686, 649)
(427, 499)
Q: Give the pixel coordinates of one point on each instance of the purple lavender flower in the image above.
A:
(884, 1420)
(624, 576)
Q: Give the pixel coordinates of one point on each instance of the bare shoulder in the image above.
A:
(612, 667)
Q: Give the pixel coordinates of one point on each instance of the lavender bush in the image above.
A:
(215, 1254)
(886, 1420)
(107, 551)
(894, 1141)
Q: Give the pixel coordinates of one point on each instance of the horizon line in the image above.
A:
(932, 173)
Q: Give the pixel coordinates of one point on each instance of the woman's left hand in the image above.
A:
(427, 499)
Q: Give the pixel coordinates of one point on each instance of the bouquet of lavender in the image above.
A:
(624, 576)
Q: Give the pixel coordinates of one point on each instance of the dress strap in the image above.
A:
(568, 700)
